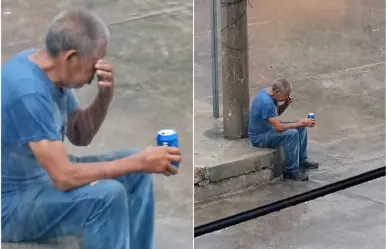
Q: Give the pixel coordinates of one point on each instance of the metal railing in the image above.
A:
(215, 64)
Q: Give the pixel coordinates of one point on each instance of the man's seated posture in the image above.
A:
(46, 192)
(266, 130)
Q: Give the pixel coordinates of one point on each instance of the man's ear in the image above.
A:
(69, 55)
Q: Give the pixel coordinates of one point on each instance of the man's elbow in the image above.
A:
(79, 141)
(84, 142)
(64, 186)
(64, 181)
(279, 128)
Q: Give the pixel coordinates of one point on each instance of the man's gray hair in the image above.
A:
(281, 85)
(78, 29)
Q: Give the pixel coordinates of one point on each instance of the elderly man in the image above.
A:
(266, 130)
(47, 193)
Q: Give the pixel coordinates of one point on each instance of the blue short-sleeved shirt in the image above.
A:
(263, 108)
(32, 109)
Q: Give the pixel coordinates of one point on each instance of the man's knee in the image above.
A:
(139, 182)
(290, 137)
(302, 130)
(290, 133)
(147, 178)
(108, 191)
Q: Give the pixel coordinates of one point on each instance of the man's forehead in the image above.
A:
(94, 58)
(100, 53)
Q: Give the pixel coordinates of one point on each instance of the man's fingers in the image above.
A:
(173, 150)
(172, 169)
(104, 75)
(104, 66)
(166, 173)
(174, 158)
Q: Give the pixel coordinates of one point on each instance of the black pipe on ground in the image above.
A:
(291, 201)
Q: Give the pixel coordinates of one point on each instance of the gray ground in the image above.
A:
(151, 49)
(334, 54)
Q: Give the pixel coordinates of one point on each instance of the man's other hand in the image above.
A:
(307, 122)
(159, 159)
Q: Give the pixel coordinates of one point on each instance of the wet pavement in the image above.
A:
(334, 54)
(350, 219)
(151, 49)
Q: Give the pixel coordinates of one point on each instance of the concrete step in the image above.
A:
(222, 166)
(240, 168)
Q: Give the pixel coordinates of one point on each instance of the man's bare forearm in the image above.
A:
(293, 125)
(67, 175)
(80, 174)
(286, 126)
(84, 124)
(282, 108)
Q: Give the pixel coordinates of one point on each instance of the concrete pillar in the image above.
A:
(235, 67)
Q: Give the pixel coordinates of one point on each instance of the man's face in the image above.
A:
(281, 96)
(78, 71)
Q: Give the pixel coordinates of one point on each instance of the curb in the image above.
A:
(255, 167)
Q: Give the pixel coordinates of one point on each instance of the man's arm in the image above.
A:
(282, 108)
(83, 124)
(67, 175)
(269, 113)
(280, 127)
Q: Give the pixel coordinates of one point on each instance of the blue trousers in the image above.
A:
(114, 214)
(294, 143)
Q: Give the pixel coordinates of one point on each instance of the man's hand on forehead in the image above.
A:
(289, 99)
(104, 71)
(104, 66)
(105, 75)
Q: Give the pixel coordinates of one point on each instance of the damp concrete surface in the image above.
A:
(333, 52)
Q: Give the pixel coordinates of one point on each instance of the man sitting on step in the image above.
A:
(47, 193)
(266, 130)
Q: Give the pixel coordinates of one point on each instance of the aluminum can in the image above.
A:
(311, 115)
(170, 138)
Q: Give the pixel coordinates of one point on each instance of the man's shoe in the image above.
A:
(309, 165)
(296, 176)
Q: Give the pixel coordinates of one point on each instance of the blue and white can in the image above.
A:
(311, 115)
(170, 138)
